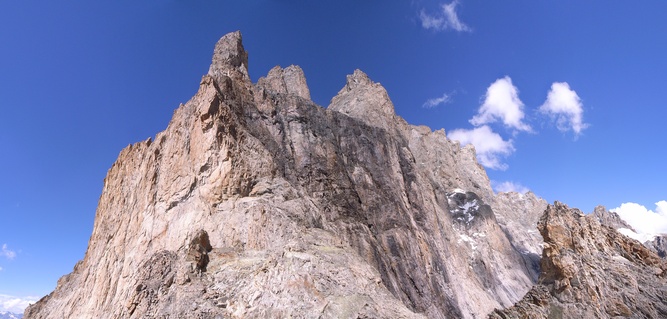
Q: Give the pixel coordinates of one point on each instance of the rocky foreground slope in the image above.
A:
(590, 270)
(255, 202)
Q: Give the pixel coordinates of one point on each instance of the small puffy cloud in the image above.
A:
(564, 106)
(507, 186)
(15, 304)
(646, 223)
(502, 102)
(431, 103)
(446, 19)
(490, 146)
(5, 252)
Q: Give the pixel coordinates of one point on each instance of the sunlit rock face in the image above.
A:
(255, 202)
(590, 270)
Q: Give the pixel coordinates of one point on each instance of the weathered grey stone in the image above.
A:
(229, 58)
(518, 215)
(658, 245)
(592, 271)
(365, 100)
(286, 81)
(609, 218)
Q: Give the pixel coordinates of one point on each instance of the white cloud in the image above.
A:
(564, 106)
(9, 254)
(646, 223)
(502, 102)
(640, 237)
(507, 186)
(490, 146)
(15, 304)
(444, 20)
(444, 99)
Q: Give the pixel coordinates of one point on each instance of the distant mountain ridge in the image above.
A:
(10, 315)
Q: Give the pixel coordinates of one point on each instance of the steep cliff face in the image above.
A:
(517, 215)
(592, 271)
(255, 202)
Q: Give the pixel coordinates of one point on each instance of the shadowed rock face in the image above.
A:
(518, 215)
(592, 271)
(658, 245)
(255, 202)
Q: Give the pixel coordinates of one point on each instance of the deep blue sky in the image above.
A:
(80, 80)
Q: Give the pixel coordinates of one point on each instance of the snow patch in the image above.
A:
(467, 239)
(640, 237)
(466, 210)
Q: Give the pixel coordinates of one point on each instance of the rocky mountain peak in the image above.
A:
(609, 218)
(363, 99)
(229, 58)
(356, 79)
(290, 80)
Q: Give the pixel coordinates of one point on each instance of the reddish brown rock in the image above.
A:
(592, 271)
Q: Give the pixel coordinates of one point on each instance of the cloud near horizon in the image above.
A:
(507, 186)
(5, 252)
(502, 102)
(16, 304)
(564, 106)
(446, 19)
(490, 146)
(444, 99)
(646, 223)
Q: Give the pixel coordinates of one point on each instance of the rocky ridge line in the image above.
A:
(590, 270)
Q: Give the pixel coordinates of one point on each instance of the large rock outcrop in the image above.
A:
(255, 202)
(517, 215)
(590, 270)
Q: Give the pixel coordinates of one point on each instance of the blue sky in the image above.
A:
(80, 80)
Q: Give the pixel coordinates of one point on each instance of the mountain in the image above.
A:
(590, 270)
(10, 315)
(657, 243)
(256, 202)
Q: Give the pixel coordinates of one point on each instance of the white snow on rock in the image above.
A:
(640, 237)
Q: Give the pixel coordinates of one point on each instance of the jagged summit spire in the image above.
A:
(365, 100)
(358, 78)
(229, 57)
(289, 80)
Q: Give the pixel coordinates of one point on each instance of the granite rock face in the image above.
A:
(590, 270)
(255, 202)
(517, 215)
